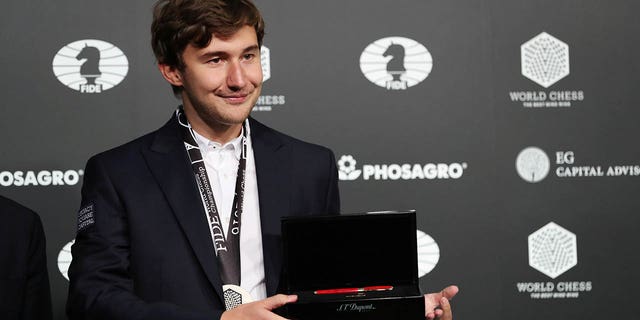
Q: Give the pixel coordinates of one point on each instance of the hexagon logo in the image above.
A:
(545, 59)
(265, 62)
(553, 250)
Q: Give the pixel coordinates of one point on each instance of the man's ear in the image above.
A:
(171, 74)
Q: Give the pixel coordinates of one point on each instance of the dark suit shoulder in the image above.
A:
(16, 214)
(126, 150)
(129, 154)
(277, 136)
(20, 230)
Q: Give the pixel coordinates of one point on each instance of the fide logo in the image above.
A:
(90, 66)
(532, 164)
(396, 63)
(553, 250)
(428, 253)
(64, 259)
(265, 62)
(347, 168)
(545, 59)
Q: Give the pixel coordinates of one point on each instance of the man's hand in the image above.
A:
(437, 305)
(259, 310)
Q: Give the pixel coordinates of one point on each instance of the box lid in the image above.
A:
(352, 250)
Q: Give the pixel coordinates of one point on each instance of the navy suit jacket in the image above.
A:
(146, 250)
(24, 282)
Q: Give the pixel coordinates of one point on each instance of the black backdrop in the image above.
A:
(446, 145)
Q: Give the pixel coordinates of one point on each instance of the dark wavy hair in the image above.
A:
(178, 23)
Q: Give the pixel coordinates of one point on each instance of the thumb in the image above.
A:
(449, 292)
(278, 301)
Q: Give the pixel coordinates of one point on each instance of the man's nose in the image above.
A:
(235, 75)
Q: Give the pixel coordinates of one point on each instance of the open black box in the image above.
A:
(351, 251)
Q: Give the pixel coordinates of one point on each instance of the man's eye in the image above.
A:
(249, 56)
(215, 60)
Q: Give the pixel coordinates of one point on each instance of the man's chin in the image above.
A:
(235, 118)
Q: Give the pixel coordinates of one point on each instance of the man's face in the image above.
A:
(222, 81)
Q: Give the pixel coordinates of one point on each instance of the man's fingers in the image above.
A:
(446, 309)
(433, 303)
(449, 292)
(278, 300)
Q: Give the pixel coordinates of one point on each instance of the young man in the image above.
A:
(184, 223)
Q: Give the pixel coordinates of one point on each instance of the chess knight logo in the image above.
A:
(553, 250)
(396, 63)
(90, 66)
(545, 59)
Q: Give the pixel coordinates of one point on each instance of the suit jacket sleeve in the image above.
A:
(37, 304)
(101, 286)
(24, 281)
(333, 195)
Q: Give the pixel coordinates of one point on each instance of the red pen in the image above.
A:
(353, 290)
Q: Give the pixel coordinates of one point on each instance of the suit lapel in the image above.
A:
(168, 162)
(272, 158)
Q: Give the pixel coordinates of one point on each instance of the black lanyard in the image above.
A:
(227, 249)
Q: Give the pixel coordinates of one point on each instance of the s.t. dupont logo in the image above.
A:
(90, 66)
(396, 63)
(354, 307)
(532, 164)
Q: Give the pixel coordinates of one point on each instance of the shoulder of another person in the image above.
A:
(16, 213)
(18, 222)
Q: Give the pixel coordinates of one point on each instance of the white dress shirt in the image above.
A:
(221, 162)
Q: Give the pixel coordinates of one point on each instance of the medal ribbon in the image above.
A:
(227, 248)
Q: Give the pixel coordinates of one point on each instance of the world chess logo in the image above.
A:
(553, 250)
(232, 299)
(265, 62)
(347, 168)
(90, 66)
(396, 63)
(532, 164)
(545, 59)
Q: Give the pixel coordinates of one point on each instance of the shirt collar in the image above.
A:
(235, 144)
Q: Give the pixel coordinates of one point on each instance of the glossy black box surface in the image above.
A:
(351, 251)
